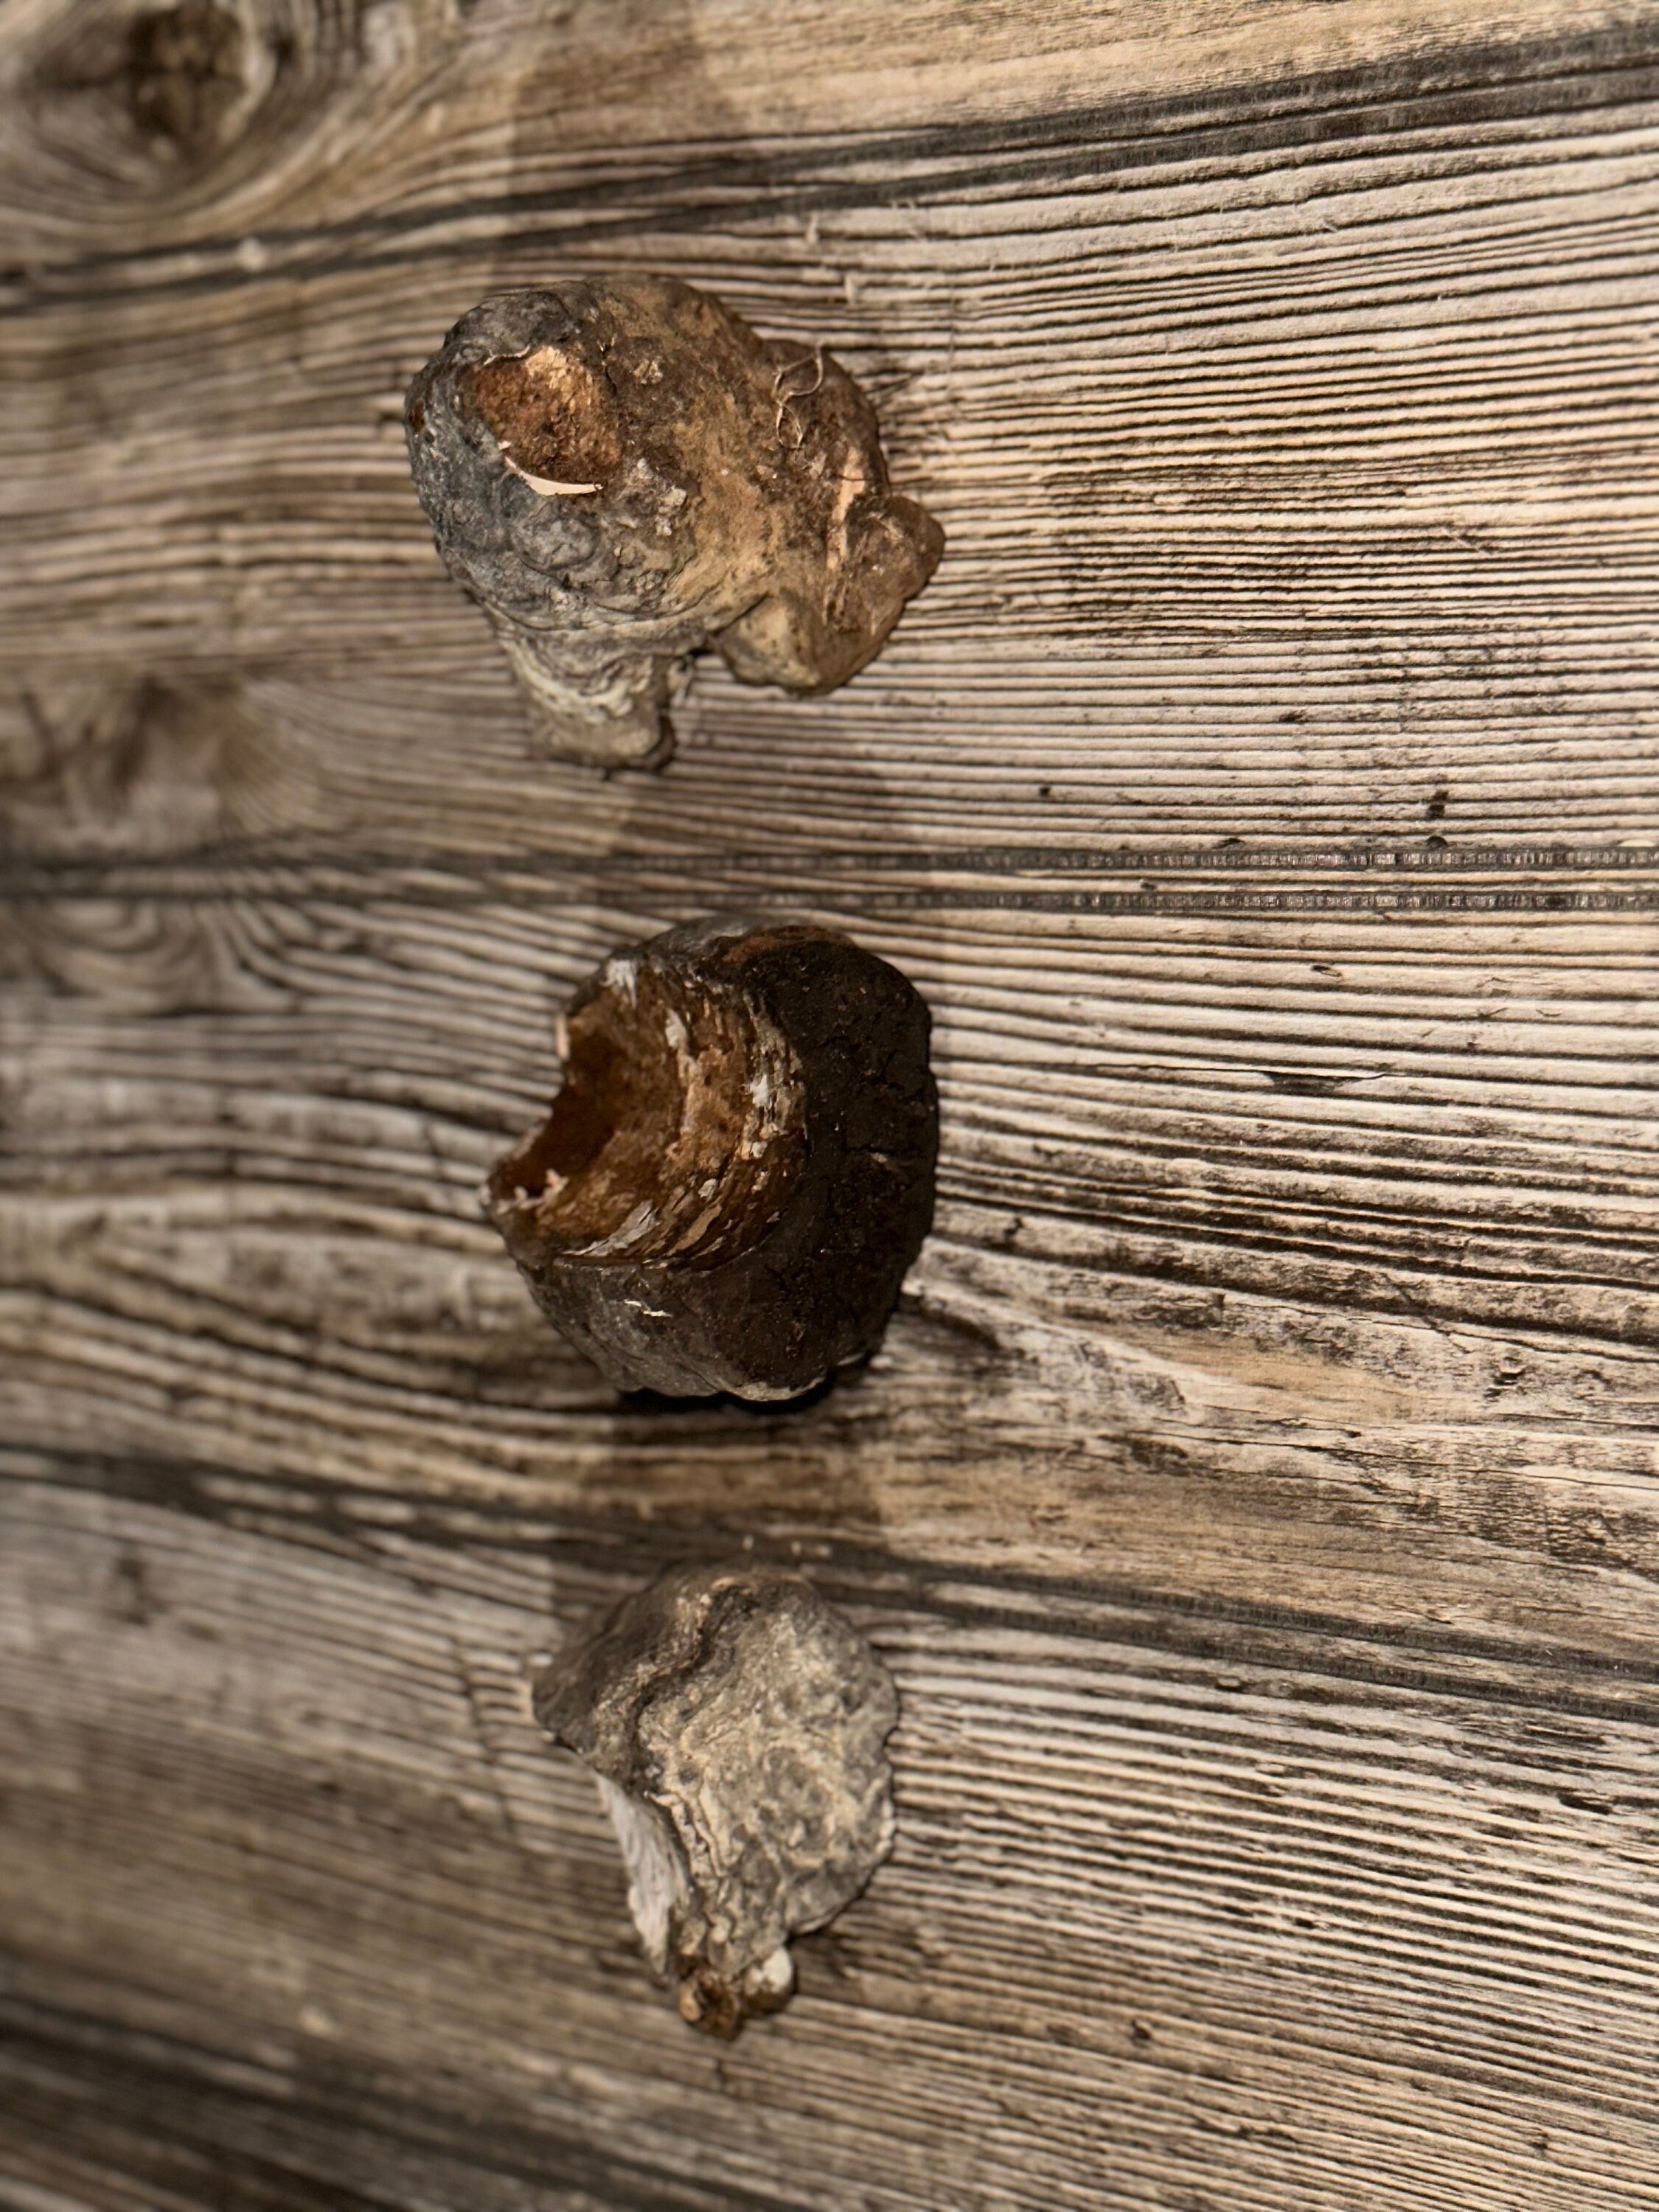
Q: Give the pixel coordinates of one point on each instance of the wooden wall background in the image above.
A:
(1257, 1498)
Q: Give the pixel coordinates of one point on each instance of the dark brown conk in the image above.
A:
(622, 472)
(736, 1725)
(738, 1170)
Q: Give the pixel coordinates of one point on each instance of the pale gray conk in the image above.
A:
(736, 1722)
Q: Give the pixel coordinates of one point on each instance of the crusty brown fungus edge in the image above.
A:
(738, 1169)
(623, 473)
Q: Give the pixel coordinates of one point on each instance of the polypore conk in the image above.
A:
(737, 1169)
(736, 1722)
(622, 472)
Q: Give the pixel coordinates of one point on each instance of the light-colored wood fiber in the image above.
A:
(1256, 1498)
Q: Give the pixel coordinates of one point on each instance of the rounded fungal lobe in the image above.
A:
(623, 473)
(735, 1723)
(737, 1169)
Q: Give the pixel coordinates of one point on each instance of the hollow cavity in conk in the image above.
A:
(738, 1167)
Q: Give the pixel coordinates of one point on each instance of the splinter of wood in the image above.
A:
(736, 1725)
(622, 472)
(737, 1169)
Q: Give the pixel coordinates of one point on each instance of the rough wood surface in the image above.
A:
(1255, 1499)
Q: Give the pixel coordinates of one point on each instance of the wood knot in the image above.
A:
(185, 69)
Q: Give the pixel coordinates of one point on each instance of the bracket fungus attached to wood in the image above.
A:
(623, 473)
(737, 1169)
(735, 1723)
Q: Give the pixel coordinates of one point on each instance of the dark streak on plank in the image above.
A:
(1312, 118)
(168, 2116)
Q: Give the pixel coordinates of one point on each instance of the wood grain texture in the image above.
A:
(1255, 1498)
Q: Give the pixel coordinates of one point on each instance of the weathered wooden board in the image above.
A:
(1256, 1498)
